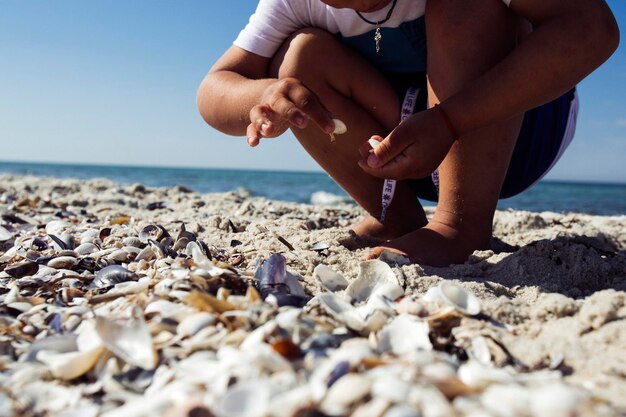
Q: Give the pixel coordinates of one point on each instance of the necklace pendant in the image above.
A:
(377, 38)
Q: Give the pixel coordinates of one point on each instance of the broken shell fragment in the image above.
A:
(458, 297)
(329, 279)
(340, 128)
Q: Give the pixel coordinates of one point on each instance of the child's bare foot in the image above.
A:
(436, 244)
(371, 227)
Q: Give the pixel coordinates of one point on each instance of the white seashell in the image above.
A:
(393, 258)
(404, 335)
(341, 310)
(245, 399)
(376, 407)
(90, 236)
(331, 280)
(130, 341)
(5, 234)
(403, 410)
(56, 227)
(389, 387)
(458, 297)
(71, 365)
(348, 390)
(375, 277)
(194, 323)
(168, 309)
(373, 143)
(479, 350)
(555, 400)
(62, 262)
(409, 305)
(86, 248)
(507, 400)
(340, 127)
(287, 404)
(120, 255)
(475, 374)
(293, 282)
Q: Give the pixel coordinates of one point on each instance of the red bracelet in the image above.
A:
(447, 120)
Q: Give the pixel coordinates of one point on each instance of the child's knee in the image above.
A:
(303, 55)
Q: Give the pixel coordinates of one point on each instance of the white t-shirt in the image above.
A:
(275, 20)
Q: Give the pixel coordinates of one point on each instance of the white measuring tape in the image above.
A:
(389, 186)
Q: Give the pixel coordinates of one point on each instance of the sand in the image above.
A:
(558, 281)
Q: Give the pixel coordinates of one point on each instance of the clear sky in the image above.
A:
(114, 82)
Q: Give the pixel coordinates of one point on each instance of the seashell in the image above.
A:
(390, 387)
(344, 393)
(320, 246)
(402, 410)
(208, 303)
(5, 234)
(376, 407)
(341, 310)
(194, 323)
(245, 399)
(56, 227)
(71, 365)
(404, 334)
(56, 343)
(146, 254)
(119, 255)
(90, 236)
(150, 232)
(458, 297)
(130, 341)
(63, 242)
(329, 279)
(62, 262)
(340, 127)
(22, 269)
(393, 258)
(475, 374)
(409, 305)
(375, 277)
(112, 275)
(133, 241)
(86, 248)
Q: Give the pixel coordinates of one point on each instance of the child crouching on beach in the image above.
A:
(485, 91)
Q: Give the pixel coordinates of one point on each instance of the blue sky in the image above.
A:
(114, 82)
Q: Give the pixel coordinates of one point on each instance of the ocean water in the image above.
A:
(594, 198)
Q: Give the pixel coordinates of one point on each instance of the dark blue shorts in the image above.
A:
(545, 134)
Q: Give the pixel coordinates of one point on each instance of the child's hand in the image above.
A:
(285, 103)
(413, 150)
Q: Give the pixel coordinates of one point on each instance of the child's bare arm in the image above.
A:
(237, 97)
(570, 39)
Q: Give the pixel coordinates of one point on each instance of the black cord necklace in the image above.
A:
(377, 35)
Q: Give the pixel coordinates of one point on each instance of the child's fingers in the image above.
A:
(253, 136)
(287, 109)
(309, 104)
(366, 148)
(385, 152)
(260, 118)
(396, 168)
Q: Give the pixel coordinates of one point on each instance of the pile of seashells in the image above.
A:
(126, 319)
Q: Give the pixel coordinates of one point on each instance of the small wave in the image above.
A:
(326, 198)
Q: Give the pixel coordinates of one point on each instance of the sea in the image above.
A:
(305, 187)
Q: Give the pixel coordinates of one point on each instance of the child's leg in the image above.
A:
(465, 38)
(353, 91)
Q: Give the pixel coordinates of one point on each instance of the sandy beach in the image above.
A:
(552, 293)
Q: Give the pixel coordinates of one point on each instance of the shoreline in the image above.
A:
(556, 281)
